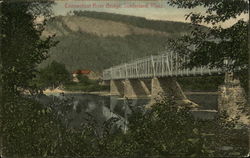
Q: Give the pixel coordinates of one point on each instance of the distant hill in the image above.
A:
(64, 25)
(157, 25)
(94, 40)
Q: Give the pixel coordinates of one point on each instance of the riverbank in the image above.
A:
(107, 93)
(57, 90)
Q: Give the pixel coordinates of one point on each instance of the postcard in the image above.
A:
(124, 78)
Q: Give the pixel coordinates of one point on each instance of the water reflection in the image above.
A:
(103, 108)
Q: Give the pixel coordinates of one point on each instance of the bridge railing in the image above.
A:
(168, 64)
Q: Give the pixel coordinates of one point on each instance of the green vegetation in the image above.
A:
(216, 43)
(171, 130)
(26, 127)
(84, 79)
(81, 87)
(22, 49)
(165, 130)
(55, 74)
(86, 50)
(52, 76)
(85, 85)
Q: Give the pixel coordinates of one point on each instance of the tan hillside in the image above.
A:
(64, 24)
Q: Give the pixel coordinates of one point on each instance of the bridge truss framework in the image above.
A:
(164, 65)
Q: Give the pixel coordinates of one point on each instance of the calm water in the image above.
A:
(206, 101)
(105, 107)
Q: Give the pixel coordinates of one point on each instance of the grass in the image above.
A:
(83, 87)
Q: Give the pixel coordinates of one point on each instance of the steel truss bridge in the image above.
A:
(164, 65)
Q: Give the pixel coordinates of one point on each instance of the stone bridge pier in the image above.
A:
(131, 88)
(156, 88)
(117, 87)
(136, 88)
(232, 99)
(162, 87)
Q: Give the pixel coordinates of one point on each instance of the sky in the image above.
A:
(150, 9)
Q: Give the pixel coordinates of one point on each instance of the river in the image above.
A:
(104, 107)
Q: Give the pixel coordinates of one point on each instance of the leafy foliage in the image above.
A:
(85, 85)
(171, 130)
(217, 10)
(22, 49)
(83, 79)
(211, 47)
(81, 87)
(26, 127)
(164, 130)
(29, 128)
(55, 74)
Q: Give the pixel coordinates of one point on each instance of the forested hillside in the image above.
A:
(92, 40)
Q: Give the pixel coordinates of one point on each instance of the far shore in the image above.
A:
(106, 93)
(56, 91)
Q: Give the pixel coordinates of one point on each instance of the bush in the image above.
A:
(52, 76)
(171, 130)
(29, 128)
(85, 85)
(164, 130)
(83, 79)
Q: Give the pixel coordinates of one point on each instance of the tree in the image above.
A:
(24, 132)
(53, 75)
(211, 46)
(83, 79)
(22, 48)
(33, 131)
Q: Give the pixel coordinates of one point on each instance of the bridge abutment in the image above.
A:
(166, 87)
(162, 87)
(116, 87)
(232, 98)
(105, 83)
(146, 86)
(157, 88)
